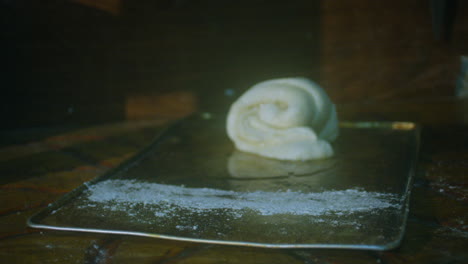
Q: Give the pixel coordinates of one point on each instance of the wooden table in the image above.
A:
(38, 171)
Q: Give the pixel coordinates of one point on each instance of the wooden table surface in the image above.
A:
(39, 171)
(88, 88)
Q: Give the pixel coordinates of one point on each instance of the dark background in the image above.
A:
(85, 62)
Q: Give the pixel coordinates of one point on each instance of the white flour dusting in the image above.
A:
(170, 197)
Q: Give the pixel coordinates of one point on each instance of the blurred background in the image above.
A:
(81, 62)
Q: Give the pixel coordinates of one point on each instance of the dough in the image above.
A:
(286, 119)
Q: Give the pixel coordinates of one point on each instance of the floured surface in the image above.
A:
(121, 193)
(194, 186)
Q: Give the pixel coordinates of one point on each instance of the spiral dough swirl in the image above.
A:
(286, 119)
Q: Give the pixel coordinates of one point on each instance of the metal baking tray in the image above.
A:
(192, 185)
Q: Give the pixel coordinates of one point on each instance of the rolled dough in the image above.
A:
(286, 119)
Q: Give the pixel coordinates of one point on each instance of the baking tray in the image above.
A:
(192, 185)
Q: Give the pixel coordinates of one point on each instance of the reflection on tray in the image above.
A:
(244, 166)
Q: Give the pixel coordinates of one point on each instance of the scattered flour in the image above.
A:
(168, 198)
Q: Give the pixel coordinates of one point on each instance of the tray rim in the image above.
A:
(35, 219)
